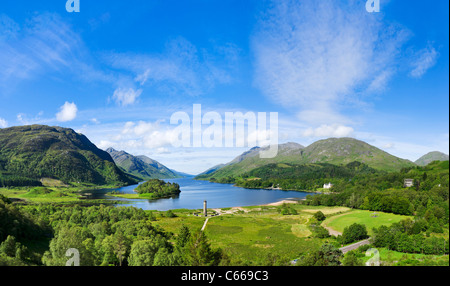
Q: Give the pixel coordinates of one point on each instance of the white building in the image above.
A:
(408, 183)
(327, 186)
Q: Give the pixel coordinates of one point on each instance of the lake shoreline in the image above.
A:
(268, 189)
(194, 192)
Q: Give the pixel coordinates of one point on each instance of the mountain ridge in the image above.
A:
(141, 166)
(338, 151)
(38, 151)
(430, 157)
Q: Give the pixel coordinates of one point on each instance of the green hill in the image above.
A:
(337, 151)
(287, 153)
(430, 157)
(39, 151)
(346, 150)
(141, 166)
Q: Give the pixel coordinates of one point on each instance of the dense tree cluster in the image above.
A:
(428, 198)
(327, 255)
(353, 233)
(18, 181)
(305, 177)
(102, 235)
(408, 236)
(158, 188)
(19, 223)
(286, 209)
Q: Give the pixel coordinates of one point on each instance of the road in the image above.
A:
(204, 225)
(354, 246)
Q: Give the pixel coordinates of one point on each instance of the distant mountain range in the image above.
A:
(39, 151)
(430, 157)
(337, 151)
(142, 166)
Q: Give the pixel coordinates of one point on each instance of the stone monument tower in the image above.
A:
(204, 208)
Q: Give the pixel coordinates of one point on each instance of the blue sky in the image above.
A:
(117, 70)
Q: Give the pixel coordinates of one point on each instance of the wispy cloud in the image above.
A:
(424, 60)
(314, 56)
(181, 69)
(333, 130)
(124, 97)
(43, 43)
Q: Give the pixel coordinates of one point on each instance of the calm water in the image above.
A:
(194, 192)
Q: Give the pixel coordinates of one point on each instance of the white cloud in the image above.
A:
(3, 123)
(95, 121)
(425, 59)
(333, 130)
(141, 135)
(68, 112)
(315, 56)
(162, 150)
(27, 119)
(105, 144)
(126, 97)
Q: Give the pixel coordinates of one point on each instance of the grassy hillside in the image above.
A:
(287, 153)
(39, 151)
(141, 166)
(336, 151)
(345, 150)
(430, 157)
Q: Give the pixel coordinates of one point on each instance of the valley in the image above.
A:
(120, 209)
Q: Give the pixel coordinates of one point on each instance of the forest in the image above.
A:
(305, 177)
(155, 188)
(103, 235)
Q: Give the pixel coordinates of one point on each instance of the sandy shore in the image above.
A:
(286, 201)
(278, 203)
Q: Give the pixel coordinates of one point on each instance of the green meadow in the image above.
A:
(369, 218)
(249, 235)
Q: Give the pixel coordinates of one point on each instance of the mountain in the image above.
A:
(40, 151)
(430, 157)
(345, 150)
(212, 169)
(141, 166)
(249, 160)
(337, 151)
(182, 174)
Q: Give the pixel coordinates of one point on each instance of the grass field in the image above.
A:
(394, 258)
(48, 194)
(251, 235)
(339, 222)
(41, 194)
